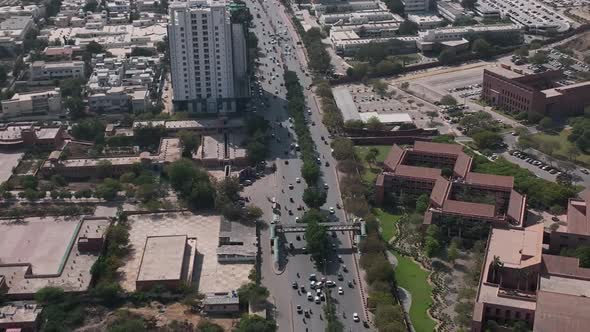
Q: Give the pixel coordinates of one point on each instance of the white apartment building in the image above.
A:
(44, 71)
(416, 6)
(208, 57)
(118, 6)
(36, 103)
(442, 35)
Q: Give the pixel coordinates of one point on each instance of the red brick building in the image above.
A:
(462, 194)
(514, 92)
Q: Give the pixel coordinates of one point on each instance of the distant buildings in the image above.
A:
(451, 36)
(416, 6)
(20, 316)
(23, 105)
(516, 92)
(208, 57)
(79, 168)
(17, 135)
(47, 71)
(451, 11)
(458, 195)
(14, 29)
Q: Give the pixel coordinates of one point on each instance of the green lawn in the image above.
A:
(370, 173)
(541, 140)
(387, 221)
(414, 279)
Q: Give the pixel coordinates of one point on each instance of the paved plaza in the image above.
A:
(209, 275)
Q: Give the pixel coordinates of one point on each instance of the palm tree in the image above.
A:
(496, 265)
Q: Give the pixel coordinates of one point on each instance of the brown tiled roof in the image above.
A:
(516, 206)
(469, 209)
(560, 312)
(417, 172)
(490, 180)
(565, 267)
(462, 165)
(439, 192)
(437, 148)
(577, 217)
(394, 157)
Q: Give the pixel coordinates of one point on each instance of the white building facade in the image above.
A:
(208, 57)
(37, 103)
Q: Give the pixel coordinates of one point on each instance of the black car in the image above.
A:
(327, 164)
(295, 286)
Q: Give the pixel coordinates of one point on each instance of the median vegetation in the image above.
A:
(296, 107)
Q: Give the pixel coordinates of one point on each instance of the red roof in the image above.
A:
(437, 148)
(490, 180)
(568, 267)
(561, 312)
(516, 206)
(439, 192)
(418, 172)
(469, 209)
(462, 165)
(393, 157)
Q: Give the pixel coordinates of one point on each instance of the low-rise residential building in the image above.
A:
(26, 134)
(199, 126)
(221, 303)
(442, 171)
(575, 230)
(47, 71)
(344, 6)
(451, 11)
(146, 5)
(118, 6)
(62, 53)
(26, 10)
(416, 6)
(220, 149)
(77, 168)
(430, 38)
(514, 91)
(348, 42)
(14, 29)
(20, 316)
(426, 21)
(32, 104)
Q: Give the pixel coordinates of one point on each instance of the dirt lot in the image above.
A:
(178, 312)
(580, 45)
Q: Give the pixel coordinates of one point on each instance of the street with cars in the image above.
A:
(298, 303)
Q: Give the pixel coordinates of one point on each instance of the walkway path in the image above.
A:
(406, 300)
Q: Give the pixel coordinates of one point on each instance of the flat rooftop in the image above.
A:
(504, 72)
(163, 258)
(561, 312)
(42, 242)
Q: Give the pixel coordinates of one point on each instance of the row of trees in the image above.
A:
(331, 115)
(296, 106)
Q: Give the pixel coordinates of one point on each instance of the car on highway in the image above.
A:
(290, 186)
(355, 317)
(326, 186)
(340, 290)
(299, 309)
(309, 296)
(298, 180)
(318, 300)
(327, 164)
(294, 284)
(332, 211)
(585, 171)
(313, 277)
(309, 112)
(330, 283)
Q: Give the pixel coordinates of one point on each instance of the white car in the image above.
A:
(355, 317)
(326, 186)
(318, 300)
(340, 290)
(298, 180)
(309, 111)
(332, 211)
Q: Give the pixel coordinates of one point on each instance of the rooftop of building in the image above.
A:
(194, 124)
(500, 182)
(163, 258)
(19, 312)
(558, 91)
(221, 298)
(43, 64)
(578, 218)
(12, 132)
(504, 72)
(561, 312)
(479, 210)
(387, 118)
(437, 148)
(242, 238)
(41, 252)
(15, 23)
(516, 249)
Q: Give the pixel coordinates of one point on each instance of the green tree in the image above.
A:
(49, 295)
(396, 6)
(540, 57)
(422, 203)
(29, 182)
(91, 129)
(468, 4)
(523, 51)
(408, 27)
(343, 148)
(380, 87)
(453, 253)
(448, 100)
(317, 241)
(254, 323)
(254, 294)
(149, 136)
(90, 6)
(371, 155)
(373, 123)
(487, 139)
(189, 141)
(482, 48)
(310, 172)
(546, 122)
(313, 197)
(447, 56)
(208, 326)
(104, 169)
(108, 189)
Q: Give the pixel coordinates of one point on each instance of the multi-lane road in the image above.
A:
(279, 51)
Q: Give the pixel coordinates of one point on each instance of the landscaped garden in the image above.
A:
(414, 279)
(557, 146)
(371, 167)
(387, 221)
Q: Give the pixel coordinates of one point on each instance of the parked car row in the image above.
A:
(531, 160)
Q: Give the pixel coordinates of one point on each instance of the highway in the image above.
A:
(270, 102)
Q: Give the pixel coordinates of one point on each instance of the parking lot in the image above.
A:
(395, 100)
